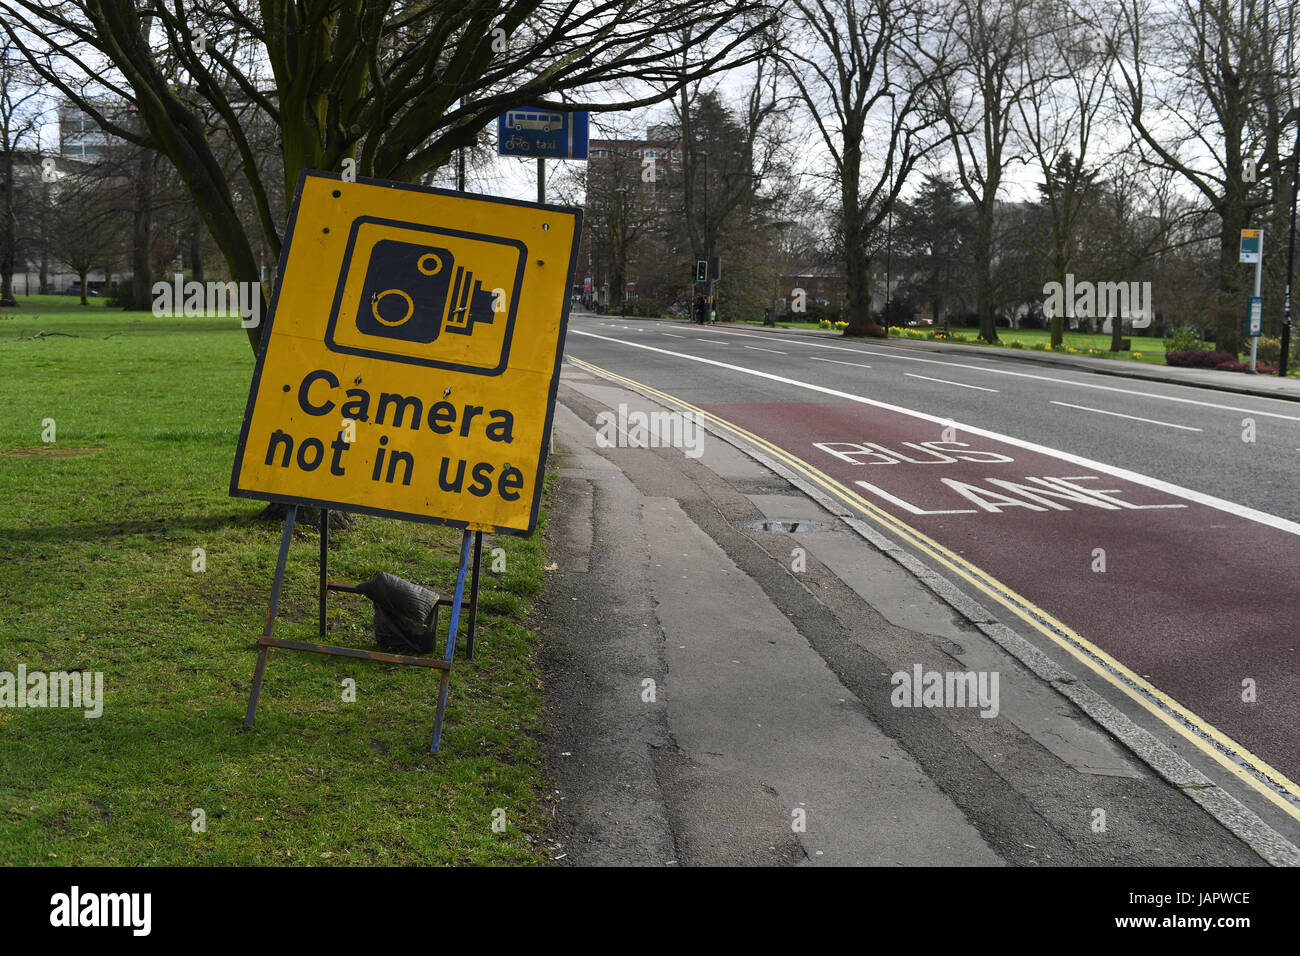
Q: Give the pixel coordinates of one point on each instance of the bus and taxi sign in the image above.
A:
(542, 132)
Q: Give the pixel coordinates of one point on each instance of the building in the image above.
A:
(826, 289)
(642, 173)
(80, 137)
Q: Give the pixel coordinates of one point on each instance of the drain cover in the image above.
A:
(786, 525)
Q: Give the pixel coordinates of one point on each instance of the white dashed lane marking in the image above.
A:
(1149, 421)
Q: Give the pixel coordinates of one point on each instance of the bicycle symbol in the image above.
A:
(515, 142)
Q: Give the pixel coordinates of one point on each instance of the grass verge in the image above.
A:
(1093, 344)
(97, 573)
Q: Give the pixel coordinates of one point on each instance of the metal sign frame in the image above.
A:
(472, 531)
(443, 664)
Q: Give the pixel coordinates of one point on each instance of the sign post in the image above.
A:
(1252, 251)
(408, 369)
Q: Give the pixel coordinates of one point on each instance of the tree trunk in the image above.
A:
(1117, 333)
(196, 249)
(141, 234)
(857, 265)
(307, 516)
(1230, 305)
(617, 285)
(81, 277)
(983, 279)
(1058, 320)
(7, 240)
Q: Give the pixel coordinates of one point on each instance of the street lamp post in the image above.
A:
(704, 241)
(1290, 256)
(889, 228)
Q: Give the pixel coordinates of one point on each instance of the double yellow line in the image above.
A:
(1244, 765)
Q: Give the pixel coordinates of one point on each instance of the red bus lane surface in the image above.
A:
(1189, 597)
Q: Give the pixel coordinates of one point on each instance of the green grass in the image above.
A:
(1083, 343)
(53, 303)
(96, 539)
(781, 325)
(1092, 344)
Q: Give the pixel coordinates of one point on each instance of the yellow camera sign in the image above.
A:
(411, 355)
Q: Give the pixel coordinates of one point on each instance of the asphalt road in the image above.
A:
(1157, 522)
(1066, 410)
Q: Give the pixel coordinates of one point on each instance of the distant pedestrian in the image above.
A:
(701, 310)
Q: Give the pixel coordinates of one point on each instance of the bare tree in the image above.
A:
(1200, 82)
(19, 114)
(88, 220)
(395, 88)
(980, 102)
(726, 153)
(1059, 111)
(859, 54)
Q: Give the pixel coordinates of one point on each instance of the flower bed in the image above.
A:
(1208, 358)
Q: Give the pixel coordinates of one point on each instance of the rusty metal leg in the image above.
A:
(285, 538)
(257, 687)
(442, 708)
(450, 653)
(324, 563)
(473, 595)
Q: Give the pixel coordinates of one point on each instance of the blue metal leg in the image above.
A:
(452, 628)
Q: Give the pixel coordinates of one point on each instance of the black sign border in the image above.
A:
(357, 223)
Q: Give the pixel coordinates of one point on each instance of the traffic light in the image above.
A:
(701, 270)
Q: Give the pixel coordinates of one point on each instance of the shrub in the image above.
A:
(122, 295)
(1206, 358)
(1197, 358)
(1185, 340)
(1269, 350)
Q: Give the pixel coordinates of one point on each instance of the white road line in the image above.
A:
(1048, 378)
(1149, 421)
(946, 382)
(1176, 491)
(714, 341)
(757, 349)
(813, 358)
(671, 335)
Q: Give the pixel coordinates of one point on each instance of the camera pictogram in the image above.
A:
(427, 296)
(416, 291)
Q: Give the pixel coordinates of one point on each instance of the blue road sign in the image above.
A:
(542, 132)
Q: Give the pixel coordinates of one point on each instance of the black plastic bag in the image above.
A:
(405, 613)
